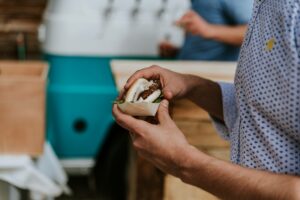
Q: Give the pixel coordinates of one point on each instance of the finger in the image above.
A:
(187, 24)
(145, 155)
(147, 73)
(190, 12)
(183, 20)
(167, 94)
(187, 15)
(163, 112)
(130, 123)
(132, 136)
(190, 28)
(177, 22)
(121, 94)
(193, 30)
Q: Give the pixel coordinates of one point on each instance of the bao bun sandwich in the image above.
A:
(142, 98)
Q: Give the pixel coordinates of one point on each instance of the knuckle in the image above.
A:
(118, 119)
(136, 74)
(152, 67)
(142, 154)
(136, 145)
(137, 130)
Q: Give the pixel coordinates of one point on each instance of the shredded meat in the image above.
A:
(155, 86)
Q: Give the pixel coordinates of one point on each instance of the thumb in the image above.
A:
(168, 94)
(163, 112)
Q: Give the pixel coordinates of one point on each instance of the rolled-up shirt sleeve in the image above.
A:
(229, 111)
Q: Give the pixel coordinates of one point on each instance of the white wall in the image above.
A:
(111, 27)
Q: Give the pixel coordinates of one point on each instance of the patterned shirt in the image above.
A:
(262, 108)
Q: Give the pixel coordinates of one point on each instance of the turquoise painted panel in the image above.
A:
(69, 70)
(78, 121)
(80, 93)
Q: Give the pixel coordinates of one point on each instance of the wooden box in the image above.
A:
(22, 107)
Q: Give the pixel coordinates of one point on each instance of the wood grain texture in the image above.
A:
(22, 107)
(20, 16)
(175, 189)
(196, 124)
(187, 110)
(150, 181)
(217, 71)
(21, 9)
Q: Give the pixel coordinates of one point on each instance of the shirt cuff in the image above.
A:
(229, 111)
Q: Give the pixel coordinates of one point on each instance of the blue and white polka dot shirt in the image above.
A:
(262, 108)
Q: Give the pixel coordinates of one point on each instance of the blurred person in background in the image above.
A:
(215, 30)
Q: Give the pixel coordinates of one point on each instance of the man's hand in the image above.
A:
(174, 85)
(162, 144)
(167, 50)
(203, 92)
(195, 24)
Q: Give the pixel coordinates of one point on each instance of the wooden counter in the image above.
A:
(146, 181)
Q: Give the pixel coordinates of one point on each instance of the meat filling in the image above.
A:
(155, 86)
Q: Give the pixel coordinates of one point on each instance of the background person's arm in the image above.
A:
(233, 35)
(196, 25)
(238, 13)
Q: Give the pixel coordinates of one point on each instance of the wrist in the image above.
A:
(209, 32)
(193, 83)
(191, 163)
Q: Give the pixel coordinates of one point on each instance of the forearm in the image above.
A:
(206, 94)
(233, 35)
(229, 181)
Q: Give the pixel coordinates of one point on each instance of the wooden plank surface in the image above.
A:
(20, 17)
(175, 189)
(22, 107)
(194, 122)
(21, 9)
(218, 71)
(16, 26)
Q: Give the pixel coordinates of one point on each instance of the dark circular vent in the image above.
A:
(80, 125)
